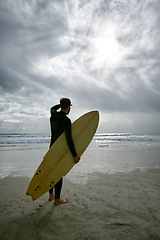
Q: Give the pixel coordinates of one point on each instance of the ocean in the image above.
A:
(21, 154)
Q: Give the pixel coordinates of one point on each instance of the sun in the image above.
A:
(106, 48)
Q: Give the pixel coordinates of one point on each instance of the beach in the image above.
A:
(114, 192)
(110, 206)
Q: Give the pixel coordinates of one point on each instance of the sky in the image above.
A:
(102, 54)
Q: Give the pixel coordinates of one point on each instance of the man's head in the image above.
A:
(65, 104)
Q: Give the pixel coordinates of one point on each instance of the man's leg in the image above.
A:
(58, 188)
(51, 194)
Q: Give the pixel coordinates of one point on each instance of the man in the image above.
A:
(61, 123)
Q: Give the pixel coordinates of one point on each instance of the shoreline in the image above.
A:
(109, 206)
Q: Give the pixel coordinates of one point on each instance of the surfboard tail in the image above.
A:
(31, 196)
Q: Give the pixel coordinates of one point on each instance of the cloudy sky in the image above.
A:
(103, 54)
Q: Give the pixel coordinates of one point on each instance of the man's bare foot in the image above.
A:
(51, 197)
(58, 201)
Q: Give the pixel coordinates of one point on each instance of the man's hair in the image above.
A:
(65, 103)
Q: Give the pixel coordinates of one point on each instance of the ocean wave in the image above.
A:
(16, 139)
(126, 138)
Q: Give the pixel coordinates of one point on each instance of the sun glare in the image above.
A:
(106, 48)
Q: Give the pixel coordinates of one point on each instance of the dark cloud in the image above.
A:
(9, 81)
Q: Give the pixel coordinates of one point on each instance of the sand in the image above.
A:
(110, 206)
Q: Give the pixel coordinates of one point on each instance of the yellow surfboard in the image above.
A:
(58, 161)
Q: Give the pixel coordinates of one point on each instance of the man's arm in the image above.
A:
(55, 108)
(70, 142)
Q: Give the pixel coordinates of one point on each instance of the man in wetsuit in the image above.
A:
(61, 123)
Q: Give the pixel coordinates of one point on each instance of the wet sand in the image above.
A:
(110, 206)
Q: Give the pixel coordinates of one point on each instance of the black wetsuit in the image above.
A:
(60, 123)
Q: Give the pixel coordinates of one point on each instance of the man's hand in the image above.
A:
(76, 159)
